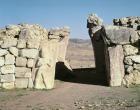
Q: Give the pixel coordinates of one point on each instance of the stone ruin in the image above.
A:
(28, 55)
(117, 49)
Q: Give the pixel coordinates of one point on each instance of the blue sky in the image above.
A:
(58, 13)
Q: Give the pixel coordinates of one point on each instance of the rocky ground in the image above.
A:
(83, 90)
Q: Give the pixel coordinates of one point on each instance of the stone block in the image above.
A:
(9, 59)
(21, 61)
(9, 43)
(134, 58)
(22, 72)
(30, 83)
(7, 78)
(7, 69)
(136, 66)
(10, 85)
(21, 82)
(33, 43)
(29, 53)
(14, 51)
(30, 63)
(45, 77)
(115, 65)
(21, 43)
(3, 52)
(130, 50)
(120, 35)
(1, 61)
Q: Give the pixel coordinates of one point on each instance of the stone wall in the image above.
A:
(28, 55)
(120, 50)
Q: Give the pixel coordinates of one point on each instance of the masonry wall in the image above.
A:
(28, 55)
(121, 49)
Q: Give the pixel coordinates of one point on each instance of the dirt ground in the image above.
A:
(83, 89)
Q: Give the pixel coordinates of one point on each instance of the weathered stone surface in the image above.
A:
(132, 78)
(45, 77)
(120, 35)
(21, 43)
(136, 66)
(130, 50)
(128, 61)
(22, 72)
(29, 53)
(9, 43)
(43, 61)
(7, 78)
(7, 69)
(45, 74)
(30, 63)
(14, 51)
(9, 59)
(21, 82)
(12, 30)
(1, 61)
(33, 43)
(93, 20)
(3, 52)
(129, 69)
(30, 83)
(135, 58)
(115, 65)
(20, 61)
(10, 85)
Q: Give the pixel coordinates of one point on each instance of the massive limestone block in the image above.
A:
(20, 61)
(22, 72)
(7, 78)
(9, 43)
(120, 35)
(7, 69)
(9, 59)
(3, 52)
(14, 51)
(29, 53)
(115, 65)
(46, 72)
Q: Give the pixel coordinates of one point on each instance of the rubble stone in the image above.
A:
(7, 78)
(9, 59)
(14, 51)
(20, 61)
(21, 43)
(10, 85)
(21, 82)
(9, 43)
(29, 53)
(1, 61)
(7, 69)
(30, 63)
(3, 52)
(22, 72)
(130, 50)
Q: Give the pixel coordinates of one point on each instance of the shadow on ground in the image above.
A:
(80, 75)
